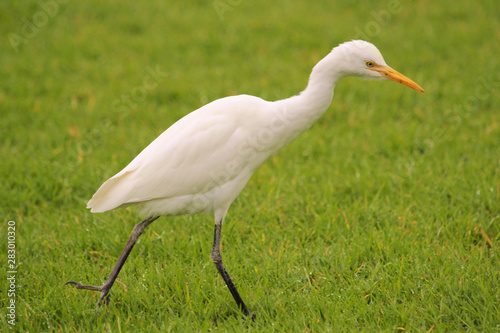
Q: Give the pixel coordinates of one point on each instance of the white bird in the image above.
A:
(203, 161)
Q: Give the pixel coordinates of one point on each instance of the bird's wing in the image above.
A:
(196, 154)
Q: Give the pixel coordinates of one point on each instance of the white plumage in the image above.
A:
(203, 161)
(195, 166)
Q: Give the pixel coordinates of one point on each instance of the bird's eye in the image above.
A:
(369, 63)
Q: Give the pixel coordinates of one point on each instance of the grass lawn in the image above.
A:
(384, 216)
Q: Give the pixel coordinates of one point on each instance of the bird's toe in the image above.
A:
(78, 285)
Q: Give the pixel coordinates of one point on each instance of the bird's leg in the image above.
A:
(217, 259)
(138, 229)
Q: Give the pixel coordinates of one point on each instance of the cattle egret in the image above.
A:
(203, 161)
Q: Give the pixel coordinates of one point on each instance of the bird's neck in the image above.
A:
(302, 111)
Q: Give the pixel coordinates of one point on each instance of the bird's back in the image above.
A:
(198, 164)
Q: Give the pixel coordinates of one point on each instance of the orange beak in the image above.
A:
(393, 75)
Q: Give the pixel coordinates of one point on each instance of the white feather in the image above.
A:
(203, 161)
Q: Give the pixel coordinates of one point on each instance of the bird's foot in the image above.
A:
(104, 289)
(253, 316)
(248, 315)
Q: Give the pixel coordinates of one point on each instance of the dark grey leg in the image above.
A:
(217, 259)
(138, 229)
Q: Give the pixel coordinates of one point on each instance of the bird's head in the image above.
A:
(363, 59)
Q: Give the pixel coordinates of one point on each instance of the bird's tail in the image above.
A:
(114, 193)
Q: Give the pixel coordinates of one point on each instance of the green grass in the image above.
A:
(382, 217)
